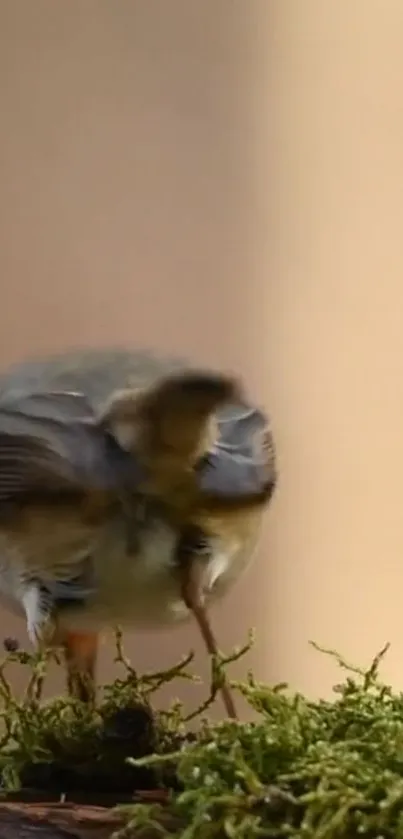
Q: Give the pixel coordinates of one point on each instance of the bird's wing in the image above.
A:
(50, 442)
(243, 462)
(66, 589)
(28, 465)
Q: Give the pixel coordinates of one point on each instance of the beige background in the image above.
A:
(225, 178)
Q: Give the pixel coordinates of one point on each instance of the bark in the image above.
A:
(21, 820)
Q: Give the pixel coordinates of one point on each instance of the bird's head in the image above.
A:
(171, 425)
(200, 445)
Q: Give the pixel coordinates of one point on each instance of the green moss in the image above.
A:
(312, 770)
(65, 747)
(309, 770)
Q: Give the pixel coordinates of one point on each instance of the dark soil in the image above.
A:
(98, 772)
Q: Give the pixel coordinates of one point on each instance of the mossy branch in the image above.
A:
(302, 770)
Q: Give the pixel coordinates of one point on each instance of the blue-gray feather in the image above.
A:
(60, 397)
(50, 441)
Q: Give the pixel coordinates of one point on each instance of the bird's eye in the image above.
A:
(204, 462)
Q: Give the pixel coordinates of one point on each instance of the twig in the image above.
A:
(218, 665)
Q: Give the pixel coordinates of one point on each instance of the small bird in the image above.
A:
(132, 490)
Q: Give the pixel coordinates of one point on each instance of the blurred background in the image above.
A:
(224, 179)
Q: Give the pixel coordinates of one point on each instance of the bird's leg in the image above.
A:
(192, 568)
(80, 650)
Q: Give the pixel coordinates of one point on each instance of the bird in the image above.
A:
(132, 492)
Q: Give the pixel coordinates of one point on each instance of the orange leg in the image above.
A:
(80, 650)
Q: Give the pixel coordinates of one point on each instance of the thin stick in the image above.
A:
(191, 593)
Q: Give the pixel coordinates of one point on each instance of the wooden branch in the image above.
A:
(20, 820)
